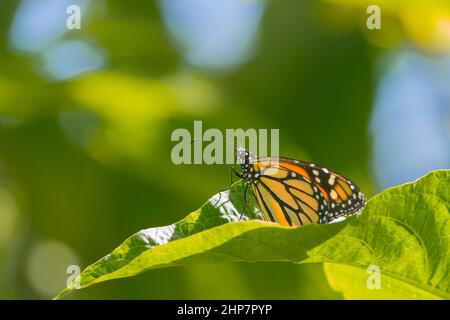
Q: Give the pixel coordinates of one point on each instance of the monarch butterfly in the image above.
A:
(294, 192)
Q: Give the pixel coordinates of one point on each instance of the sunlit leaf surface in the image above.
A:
(404, 231)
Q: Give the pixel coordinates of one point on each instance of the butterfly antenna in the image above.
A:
(232, 171)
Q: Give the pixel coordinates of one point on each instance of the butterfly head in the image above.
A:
(246, 159)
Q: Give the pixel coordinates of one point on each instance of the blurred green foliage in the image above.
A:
(86, 162)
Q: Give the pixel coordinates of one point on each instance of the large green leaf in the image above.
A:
(404, 231)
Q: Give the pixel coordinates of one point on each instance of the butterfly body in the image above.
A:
(295, 192)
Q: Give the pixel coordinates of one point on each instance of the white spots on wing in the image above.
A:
(317, 180)
(315, 172)
(332, 180)
(338, 219)
(325, 170)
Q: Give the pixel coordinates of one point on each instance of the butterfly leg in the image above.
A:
(245, 202)
(231, 177)
(232, 171)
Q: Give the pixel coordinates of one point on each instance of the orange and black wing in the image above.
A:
(293, 192)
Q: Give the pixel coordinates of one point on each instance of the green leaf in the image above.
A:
(404, 231)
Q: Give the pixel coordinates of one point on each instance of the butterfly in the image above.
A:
(295, 192)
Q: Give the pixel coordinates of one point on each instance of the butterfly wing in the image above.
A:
(293, 192)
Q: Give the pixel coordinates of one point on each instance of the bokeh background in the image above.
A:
(86, 117)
